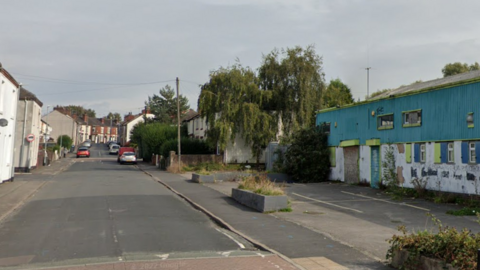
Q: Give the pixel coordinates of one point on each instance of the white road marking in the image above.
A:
(163, 256)
(331, 204)
(261, 255)
(233, 239)
(120, 259)
(381, 200)
(226, 254)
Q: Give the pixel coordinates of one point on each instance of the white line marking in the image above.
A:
(363, 196)
(120, 259)
(261, 255)
(163, 256)
(226, 254)
(233, 239)
(351, 209)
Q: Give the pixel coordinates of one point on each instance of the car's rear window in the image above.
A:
(129, 154)
(82, 149)
(115, 147)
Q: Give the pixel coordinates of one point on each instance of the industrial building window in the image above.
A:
(412, 118)
(325, 128)
(451, 157)
(472, 158)
(423, 154)
(385, 121)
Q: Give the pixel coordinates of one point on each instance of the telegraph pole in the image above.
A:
(178, 123)
(368, 79)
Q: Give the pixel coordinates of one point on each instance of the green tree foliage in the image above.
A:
(189, 147)
(233, 103)
(337, 94)
(458, 68)
(150, 137)
(66, 141)
(307, 159)
(114, 116)
(296, 78)
(164, 106)
(80, 110)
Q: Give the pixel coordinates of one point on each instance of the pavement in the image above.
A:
(306, 248)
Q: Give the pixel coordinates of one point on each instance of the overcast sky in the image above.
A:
(130, 49)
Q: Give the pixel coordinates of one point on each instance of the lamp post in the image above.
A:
(45, 138)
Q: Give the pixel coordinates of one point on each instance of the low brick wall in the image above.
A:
(193, 159)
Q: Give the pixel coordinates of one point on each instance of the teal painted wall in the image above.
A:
(444, 114)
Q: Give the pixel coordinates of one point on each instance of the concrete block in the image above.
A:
(259, 202)
(201, 178)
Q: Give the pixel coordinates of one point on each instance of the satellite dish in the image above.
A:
(3, 122)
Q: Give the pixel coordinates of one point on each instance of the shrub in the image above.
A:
(307, 159)
(66, 141)
(210, 166)
(189, 147)
(150, 137)
(260, 184)
(458, 248)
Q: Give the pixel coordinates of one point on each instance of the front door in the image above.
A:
(351, 164)
(375, 165)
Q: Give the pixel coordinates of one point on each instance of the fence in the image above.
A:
(272, 154)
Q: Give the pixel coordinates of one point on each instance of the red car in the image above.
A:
(83, 151)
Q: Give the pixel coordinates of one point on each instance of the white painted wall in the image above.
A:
(129, 126)
(239, 152)
(8, 110)
(365, 162)
(337, 172)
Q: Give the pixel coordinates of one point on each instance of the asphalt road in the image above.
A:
(100, 211)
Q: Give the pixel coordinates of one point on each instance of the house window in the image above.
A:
(450, 155)
(423, 154)
(93, 129)
(412, 118)
(325, 128)
(471, 153)
(385, 121)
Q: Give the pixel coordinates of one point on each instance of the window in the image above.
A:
(471, 153)
(412, 118)
(325, 127)
(451, 157)
(385, 121)
(423, 153)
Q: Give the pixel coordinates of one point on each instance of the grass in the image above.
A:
(260, 184)
(466, 211)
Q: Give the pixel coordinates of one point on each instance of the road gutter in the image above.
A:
(223, 223)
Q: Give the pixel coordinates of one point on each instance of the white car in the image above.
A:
(114, 149)
(128, 157)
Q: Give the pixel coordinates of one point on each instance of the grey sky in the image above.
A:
(129, 42)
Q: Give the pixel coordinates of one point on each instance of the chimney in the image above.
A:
(85, 118)
(74, 116)
(129, 117)
(103, 120)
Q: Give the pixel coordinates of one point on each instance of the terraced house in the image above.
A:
(433, 128)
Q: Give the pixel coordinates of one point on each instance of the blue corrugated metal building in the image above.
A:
(430, 126)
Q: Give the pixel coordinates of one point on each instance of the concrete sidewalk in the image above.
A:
(14, 194)
(307, 248)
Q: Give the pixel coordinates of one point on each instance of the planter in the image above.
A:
(401, 256)
(259, 202)
(201, 178)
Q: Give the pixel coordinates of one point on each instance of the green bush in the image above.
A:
(458, 248)
(150, 137)
(307, 159)
(189, 147)
(66, 141)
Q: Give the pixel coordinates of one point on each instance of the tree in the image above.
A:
(164, 106)
(307, 159)
(296, 78)
(458, 68)
(80, 110)
(66, 141)
(150, 137)
(114, 116)
(337, 94)
(233, 103)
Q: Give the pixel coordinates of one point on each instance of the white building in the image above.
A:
(29, 116)
(129, 122)
(9, 93)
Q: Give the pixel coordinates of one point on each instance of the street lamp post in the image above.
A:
(45, 138)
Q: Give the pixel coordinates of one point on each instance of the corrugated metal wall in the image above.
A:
(444, 114)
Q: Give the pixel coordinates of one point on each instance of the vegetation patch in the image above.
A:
(458, 248)
(466, 211)
(260, 184)
(203, 168)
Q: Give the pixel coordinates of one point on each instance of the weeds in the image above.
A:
(211, 167)
(260, 184)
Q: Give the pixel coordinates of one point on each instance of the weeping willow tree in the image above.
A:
(296, 79)
(234, 105)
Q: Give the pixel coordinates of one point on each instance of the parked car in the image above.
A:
(114, 149)
(83, 152)
(87, 144)
(128, 157)
(123, 150)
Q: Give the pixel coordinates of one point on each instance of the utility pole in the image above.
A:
(368, 80)
(178, 124)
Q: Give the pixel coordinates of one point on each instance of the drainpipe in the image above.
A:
(20, 162)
